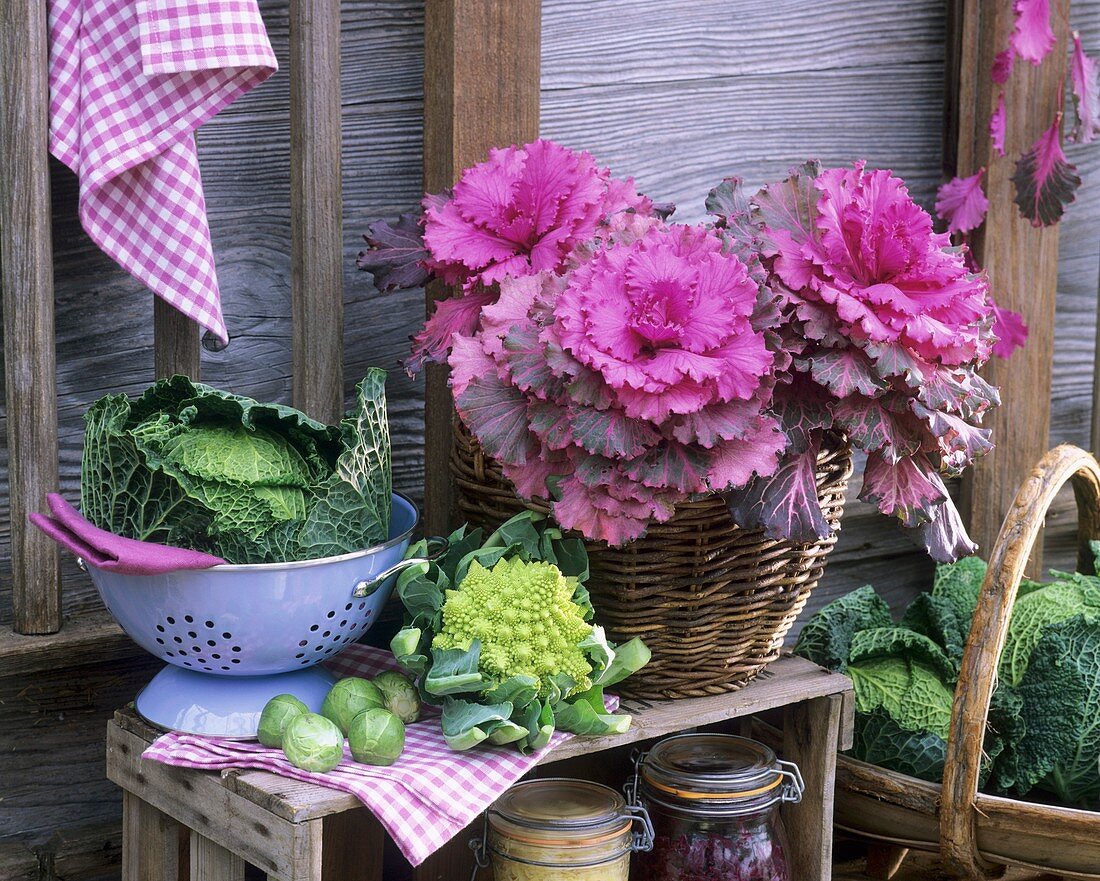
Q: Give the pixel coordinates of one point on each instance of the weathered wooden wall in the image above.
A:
(676, 93)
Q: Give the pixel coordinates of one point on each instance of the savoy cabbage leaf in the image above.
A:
(1060, 600)
(883, 642)
(935, 617)
(960, 583)
(880, 740)
(192, 466)
(1061, 693)
(910, 691)
(826, 639)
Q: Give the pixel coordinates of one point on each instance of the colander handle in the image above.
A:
(368, 586)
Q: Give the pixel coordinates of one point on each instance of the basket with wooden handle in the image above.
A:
(978, 834)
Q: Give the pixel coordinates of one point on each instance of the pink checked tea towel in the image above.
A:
(130, 81)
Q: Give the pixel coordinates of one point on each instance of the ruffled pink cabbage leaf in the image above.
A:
(1002, 66)
(395, 254)
(962, 203)
(1045, 181)
(530, 209)
(636, 381)
(1010, 329)
(1085, 77)
(889, 325)
(1032, 36)
(997, 124)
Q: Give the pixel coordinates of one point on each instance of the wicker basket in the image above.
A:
(978, 834)
(711, 600)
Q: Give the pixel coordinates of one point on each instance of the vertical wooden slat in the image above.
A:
(1094, 436)
(175, 342)
(26, 278)
(811, 731)
(481, 90)
(150, 842)
(317, 271)
(1022, 261)
(212, 862)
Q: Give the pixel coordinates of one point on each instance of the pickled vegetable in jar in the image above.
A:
(714, 801)
(560, 830)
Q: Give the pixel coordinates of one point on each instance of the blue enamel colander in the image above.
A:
(234, 636)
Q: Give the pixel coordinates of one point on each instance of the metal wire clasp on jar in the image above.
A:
(714, 802)
(551, 829)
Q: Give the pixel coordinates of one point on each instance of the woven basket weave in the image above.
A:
(711, 600)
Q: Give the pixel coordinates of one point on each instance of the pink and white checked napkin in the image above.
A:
(423, 800)
(130, 81)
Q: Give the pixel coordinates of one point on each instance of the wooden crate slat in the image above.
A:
(788, 680)
(317, 270)
(175, 342)
(481, 90)
(1022, 261)
(26, 278)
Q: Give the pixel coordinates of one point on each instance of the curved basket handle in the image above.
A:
(978, 676)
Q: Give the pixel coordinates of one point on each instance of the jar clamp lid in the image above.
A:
(719, 773)
(560, 812)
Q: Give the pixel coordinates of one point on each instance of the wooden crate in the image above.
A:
(295, 831)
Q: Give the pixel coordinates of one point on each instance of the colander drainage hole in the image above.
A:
(211, 669)
(347, 608)
(362, 606)
(344, 623)
(236, 648)
(170, 654)
(159, 640)
(216, 656)
(227, 635)
(177, 639)
(318, 648)
(192, 634)
(160, 627)
(211, 643)
(302, 642)
(300, 655)
(188, 619)
(183, 652)
(331, 615)
(326, 634)
(235, 661)
(210, 624)
(315, 628)
(170, 620)
(187, 663)
(225, 666)
(201, 660)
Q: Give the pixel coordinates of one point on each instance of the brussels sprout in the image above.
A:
(402, 698)
(313, 743)
(278, 712)
(348, 698)
(377, 737)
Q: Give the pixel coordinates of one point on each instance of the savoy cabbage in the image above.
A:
(1043, 730)
(189, 465)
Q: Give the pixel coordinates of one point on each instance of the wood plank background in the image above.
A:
(677, 98)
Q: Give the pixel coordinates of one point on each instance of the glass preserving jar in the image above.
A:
(560, 830)
(714, 802)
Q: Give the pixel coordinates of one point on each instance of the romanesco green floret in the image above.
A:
(526, 620)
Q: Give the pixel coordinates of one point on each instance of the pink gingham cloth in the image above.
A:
(130, 81)
(423, 800)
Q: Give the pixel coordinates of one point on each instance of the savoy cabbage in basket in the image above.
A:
(1044, 721)
(188, 465)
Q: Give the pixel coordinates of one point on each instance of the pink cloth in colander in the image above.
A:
(114, 553)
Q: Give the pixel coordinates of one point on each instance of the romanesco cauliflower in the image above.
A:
(526, 620)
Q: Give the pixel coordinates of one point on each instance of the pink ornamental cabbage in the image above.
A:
(523, 211)
(888, 326)
(633, 383)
